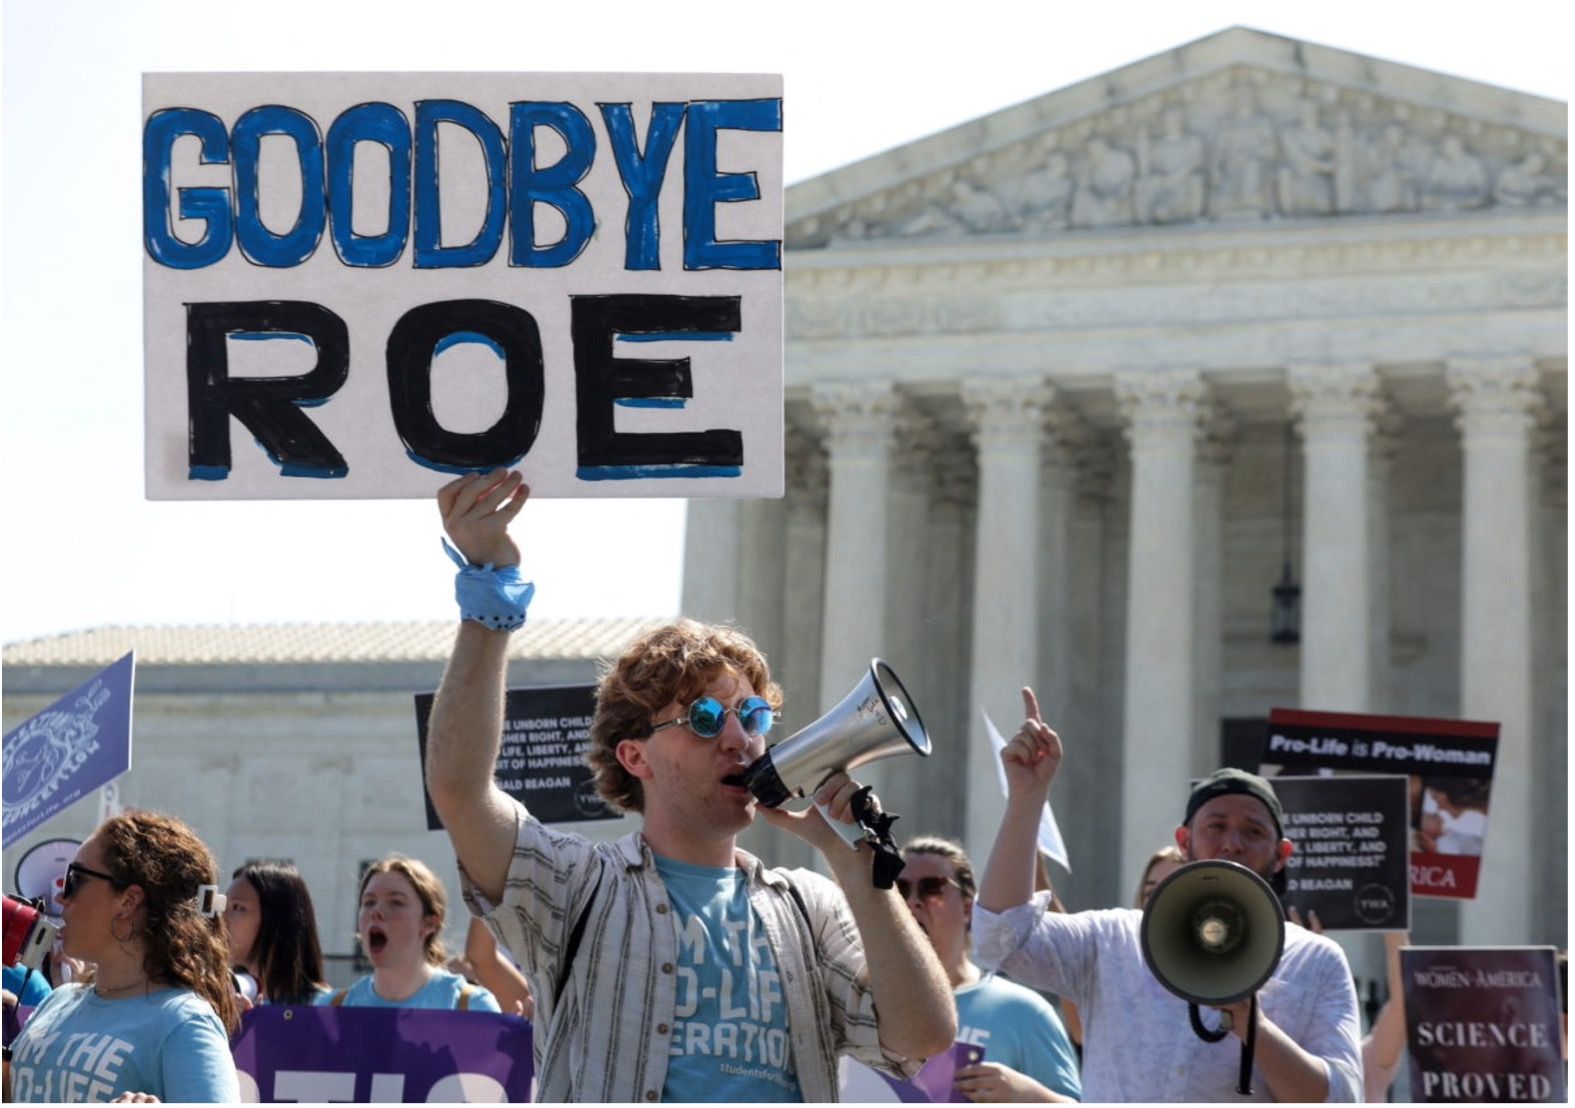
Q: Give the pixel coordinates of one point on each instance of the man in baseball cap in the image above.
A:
(1138, 1043)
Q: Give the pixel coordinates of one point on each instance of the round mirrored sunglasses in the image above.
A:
(706, 717)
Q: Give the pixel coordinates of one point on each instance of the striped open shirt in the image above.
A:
(606, 1038)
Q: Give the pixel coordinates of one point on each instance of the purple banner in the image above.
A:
(343, 1055)
(81, 741)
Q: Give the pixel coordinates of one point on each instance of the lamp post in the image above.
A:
(1285, 620)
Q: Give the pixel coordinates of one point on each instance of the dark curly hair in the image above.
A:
(673, 663)
(167, 860)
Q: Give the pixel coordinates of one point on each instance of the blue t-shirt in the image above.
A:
(29, 987)
(1018, 1028)
(440, 992)
(730, 1038)
(80, 1047)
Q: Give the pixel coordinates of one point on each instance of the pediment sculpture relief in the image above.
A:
(1253, 148)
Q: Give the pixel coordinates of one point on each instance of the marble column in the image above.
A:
(1208, 497)
(713, 530)
(1496, 399)
(859, 420)
(1007, 416)
(798, 667)
(1335, 407)
(943, 700)
(1057, 498)
(1161, 410)
(1385, 445)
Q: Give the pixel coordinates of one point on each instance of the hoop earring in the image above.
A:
(116, 935)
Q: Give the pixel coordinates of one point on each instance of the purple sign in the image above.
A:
(78, 743)
(934, 1084)
(343, 1055)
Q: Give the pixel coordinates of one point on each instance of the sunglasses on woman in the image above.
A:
(706, 717)
(928, 888)
(76, 873)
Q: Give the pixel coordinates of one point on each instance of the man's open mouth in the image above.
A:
(375, 940)
(736, 780)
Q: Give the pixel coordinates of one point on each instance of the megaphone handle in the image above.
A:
(851, 833)
(1249, 1047)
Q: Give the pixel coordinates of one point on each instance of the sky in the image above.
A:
(82, 548)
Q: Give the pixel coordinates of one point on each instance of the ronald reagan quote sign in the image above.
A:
(359, 285)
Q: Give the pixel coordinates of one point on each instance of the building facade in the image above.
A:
(1042, 371)
(295, 741)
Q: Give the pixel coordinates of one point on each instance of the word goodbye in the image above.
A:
(512, 180)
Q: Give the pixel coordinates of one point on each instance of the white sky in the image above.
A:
(82, 548)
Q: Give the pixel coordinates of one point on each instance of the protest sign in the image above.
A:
(542, 759)
(934, 1084)
(382, 1054)
(1450, 764)
(81, 741)
(1350, 862)
(384, 279)
(1482, 1023)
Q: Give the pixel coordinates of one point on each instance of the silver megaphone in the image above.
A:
(878, 719)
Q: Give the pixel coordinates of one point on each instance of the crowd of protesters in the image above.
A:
(671, 965)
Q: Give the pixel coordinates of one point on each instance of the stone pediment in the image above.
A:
(1240, 127)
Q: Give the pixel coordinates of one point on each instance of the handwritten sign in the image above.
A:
(358, 284)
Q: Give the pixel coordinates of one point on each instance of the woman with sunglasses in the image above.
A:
(273, 932)
(151, 1020)
(400, 927)
(1028, 1056)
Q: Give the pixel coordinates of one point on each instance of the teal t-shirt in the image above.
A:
(440, 992)
(1018, 1028)
(29, 987)
(80, 1047)
(730, 1038)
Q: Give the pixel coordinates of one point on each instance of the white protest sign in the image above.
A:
(361, 284)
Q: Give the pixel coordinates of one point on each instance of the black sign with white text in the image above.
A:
(541, 762)
(1349, 867)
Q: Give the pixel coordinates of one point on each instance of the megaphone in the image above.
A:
(1212, 934)
(878, 719)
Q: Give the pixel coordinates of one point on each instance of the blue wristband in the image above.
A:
(493, 597)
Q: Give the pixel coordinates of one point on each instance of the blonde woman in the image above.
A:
(400, 927)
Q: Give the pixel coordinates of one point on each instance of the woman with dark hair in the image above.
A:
(151, 1020)
(273, 932)
(400, 927)
(1029, 1057)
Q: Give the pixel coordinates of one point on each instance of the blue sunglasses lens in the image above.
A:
(707, 717)
(756, 716)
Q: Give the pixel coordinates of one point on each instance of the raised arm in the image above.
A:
(466, 727)
(918, 1016)
(1031, 760)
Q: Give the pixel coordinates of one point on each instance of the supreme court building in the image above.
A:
(1046, 374)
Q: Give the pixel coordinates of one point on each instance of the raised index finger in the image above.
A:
(1031, 705)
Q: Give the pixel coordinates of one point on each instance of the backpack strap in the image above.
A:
(573, 946)
(465, 992)
(339, 998)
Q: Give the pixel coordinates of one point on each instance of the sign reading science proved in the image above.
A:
(358, 285)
